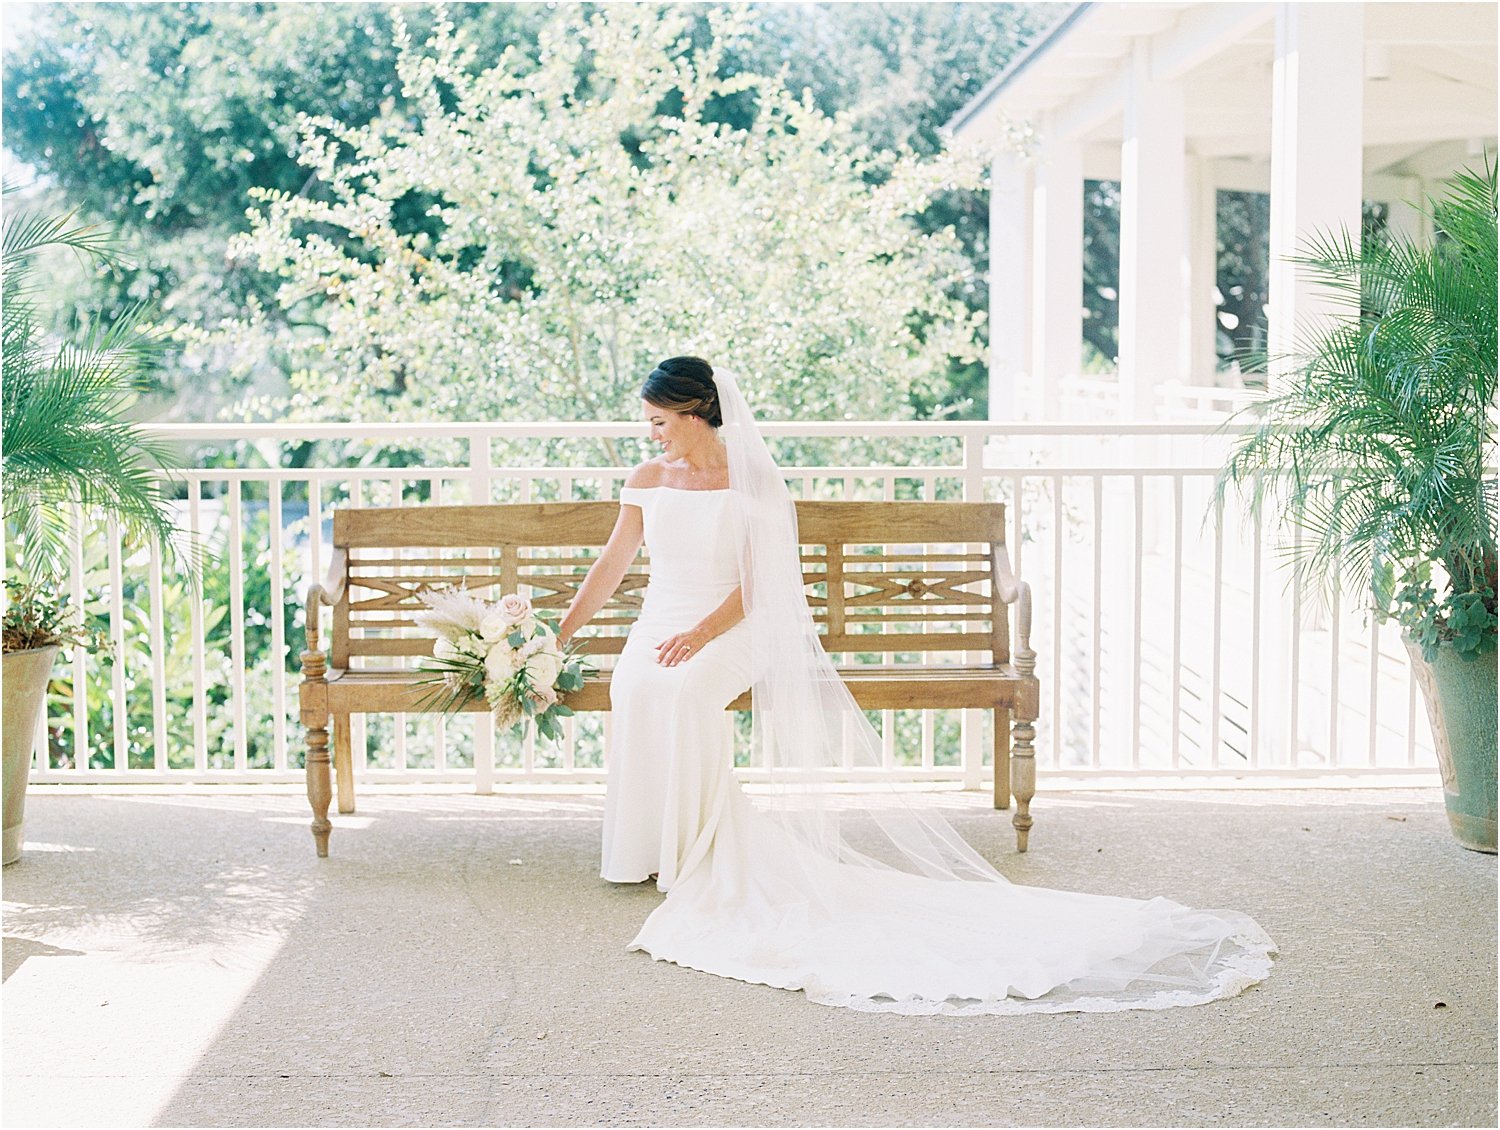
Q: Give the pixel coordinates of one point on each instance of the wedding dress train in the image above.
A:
(747, 899)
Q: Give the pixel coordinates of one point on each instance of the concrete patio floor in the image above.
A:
(183, 959)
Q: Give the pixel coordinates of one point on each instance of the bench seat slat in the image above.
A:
(873, 687)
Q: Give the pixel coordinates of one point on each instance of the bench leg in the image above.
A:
(1002, 757)
(343, 762)
(1022, 777)
(319, 789)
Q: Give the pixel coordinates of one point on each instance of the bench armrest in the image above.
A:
(329, 593)
(1012, 590)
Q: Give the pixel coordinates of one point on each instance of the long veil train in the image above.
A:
(913, 920)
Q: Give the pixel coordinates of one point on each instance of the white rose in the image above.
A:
(500, 663)
(544, 666)
(469, 647)
(515, 607)
(535, 644)
(494, 624)
(443, 649)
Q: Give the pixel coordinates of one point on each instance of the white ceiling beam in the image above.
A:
(1252, 145)
(1415, 129)
(1138, 20)
(1089, 45)
(1239, 99)
(1450, 67)
(1438, 162)
(1208, 135)
(1242, 176)
(1203, 32)
(1101, 160)
(1104, 101)
(1379, 158)
(1435, 97)
(1473, 53)
(1439, 39)
(1392, 188)
(1408, 25)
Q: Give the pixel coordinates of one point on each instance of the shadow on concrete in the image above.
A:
(457, 962)
(17, 950)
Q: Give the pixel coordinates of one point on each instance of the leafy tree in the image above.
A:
(164, 116)
(161, 117)
(901, 71)
(526, 239)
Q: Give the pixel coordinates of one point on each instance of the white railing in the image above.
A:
(1168, 651)
(1096, 397)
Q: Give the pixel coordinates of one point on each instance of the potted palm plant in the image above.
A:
(67, 449)
(1379, 445)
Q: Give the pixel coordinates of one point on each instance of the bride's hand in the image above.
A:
(684, 645)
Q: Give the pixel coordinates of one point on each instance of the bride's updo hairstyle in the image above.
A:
(684, 385)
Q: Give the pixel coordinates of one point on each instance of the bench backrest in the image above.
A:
(887, 579)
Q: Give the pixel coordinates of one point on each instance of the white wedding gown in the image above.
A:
(746, 900)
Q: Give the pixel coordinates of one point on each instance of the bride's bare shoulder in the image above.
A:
(647, 474)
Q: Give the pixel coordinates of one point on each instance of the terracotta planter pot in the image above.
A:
(1460, 691)
(25, 692)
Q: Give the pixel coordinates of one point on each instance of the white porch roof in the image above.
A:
(1429, 95)
(1320, 104)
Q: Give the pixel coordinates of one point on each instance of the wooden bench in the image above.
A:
(921, 586)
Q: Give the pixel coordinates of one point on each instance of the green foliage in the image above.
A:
(588, 211)
(1243, 272)
(161, 118)
(1101, 274)
(66, 440)
(36, 618)
(1378, 448)
(164, 116)
(901, 71)
(209, 586)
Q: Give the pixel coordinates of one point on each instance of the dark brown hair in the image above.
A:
(685, 385)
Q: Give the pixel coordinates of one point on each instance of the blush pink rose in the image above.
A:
(515, 607)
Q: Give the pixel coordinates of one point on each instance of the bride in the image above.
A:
(881, 907)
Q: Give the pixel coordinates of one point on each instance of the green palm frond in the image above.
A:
(1378, 445)
(65, 441)
(31, 232)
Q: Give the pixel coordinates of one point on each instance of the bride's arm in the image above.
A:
(684, 645)
(605, 574)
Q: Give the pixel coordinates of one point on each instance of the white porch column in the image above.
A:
(1057, 270)
(1317, 151)
(1154, 261)
(1317, 157)
(1011, 387)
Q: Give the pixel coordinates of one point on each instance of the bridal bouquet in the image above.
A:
(502, 650)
